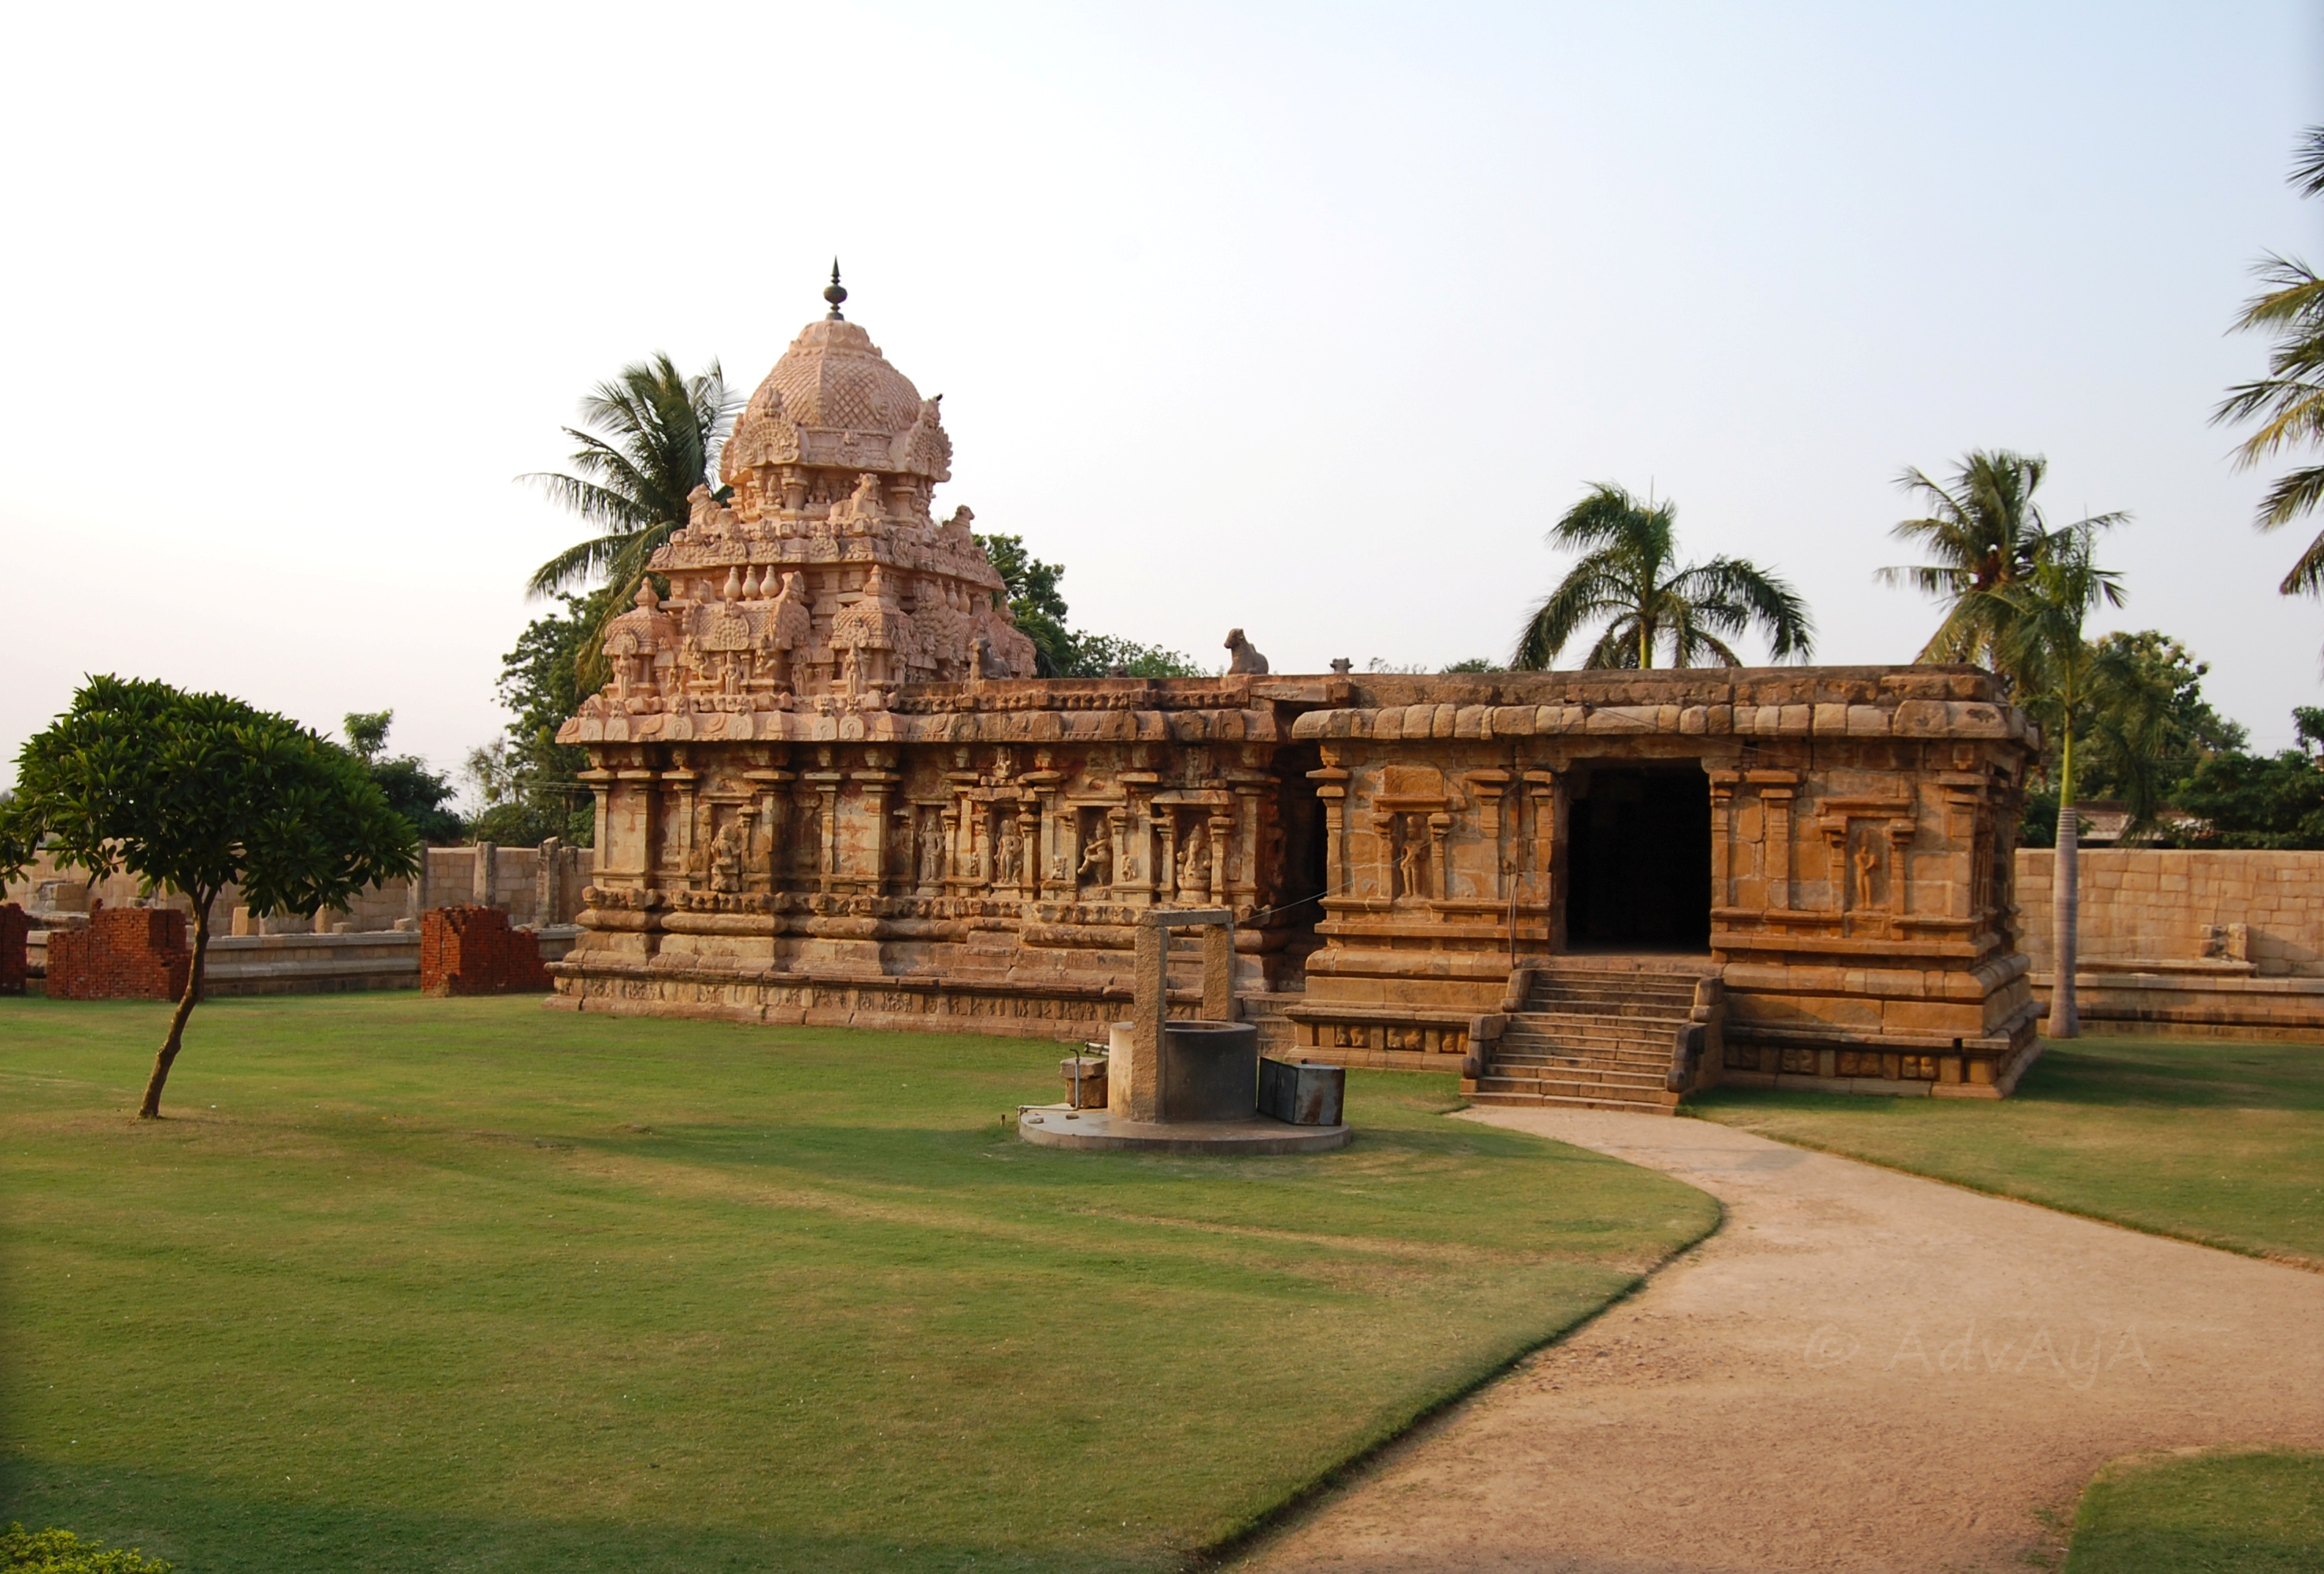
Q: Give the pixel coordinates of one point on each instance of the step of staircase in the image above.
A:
(1661, 1103)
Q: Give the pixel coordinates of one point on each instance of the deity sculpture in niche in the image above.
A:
(1412, 862)
(1195, 867)
(932, 849)
(726, 858)
(1867, 861)
(1096, 871)
(1012, 853)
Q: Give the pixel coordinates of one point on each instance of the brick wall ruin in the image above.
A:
(473, 951)
(125, 953)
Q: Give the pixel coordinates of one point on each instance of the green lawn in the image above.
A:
(2215, 1142)
(2214, 1514)
(428, 1284)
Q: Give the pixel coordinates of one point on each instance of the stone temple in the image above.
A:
(830, 790)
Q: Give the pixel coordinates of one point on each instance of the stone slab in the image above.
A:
(1057, 1126)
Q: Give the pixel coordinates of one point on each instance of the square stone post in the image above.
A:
(1218, 973)
(546, 880)
(1134, 1089)
(481, 874)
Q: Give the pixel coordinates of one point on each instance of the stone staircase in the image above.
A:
(1590, 1038)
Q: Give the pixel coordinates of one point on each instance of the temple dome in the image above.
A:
(835, 377)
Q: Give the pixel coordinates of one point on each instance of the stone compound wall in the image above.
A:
(371, 944)
(472, 951)
(2202, 945)
(125, 953)
(539, 886)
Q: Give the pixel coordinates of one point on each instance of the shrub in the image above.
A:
(23, 1551)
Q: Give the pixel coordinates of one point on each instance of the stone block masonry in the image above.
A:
(472, 951)
(2191, 943)
(125, 953)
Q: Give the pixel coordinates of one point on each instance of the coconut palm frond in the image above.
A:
(648, 439)
(1629, 574)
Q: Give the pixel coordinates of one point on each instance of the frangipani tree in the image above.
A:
(1652, 604)
(193, 793)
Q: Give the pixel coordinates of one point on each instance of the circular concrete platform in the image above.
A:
(1057, 1125)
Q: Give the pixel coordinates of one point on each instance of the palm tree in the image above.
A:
(1629, 576)
(647, 439)
(1982, 534)
(2290, 397)
(2081, 690)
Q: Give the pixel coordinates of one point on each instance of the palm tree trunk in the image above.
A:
(2065, 906)
(150, 1109)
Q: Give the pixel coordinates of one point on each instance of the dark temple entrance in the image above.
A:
(1639, 860)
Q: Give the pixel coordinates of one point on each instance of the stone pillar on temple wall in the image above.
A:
(1777, 789)
(1242, 889)
(637, 813)
(1722, 837)
(827, 788)
(875, 786)
(1489, 786)
(1439, 827)
(1332, 792)
(1541, 794)
(684, 783)
(773, 788)
(1220, 825)
(481, 874)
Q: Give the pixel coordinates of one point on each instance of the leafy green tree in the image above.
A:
(2245, 801)
(411, 790)
(2288, 401)
(1106, 656)
(1476, 664)
(529, 781)
(193, 793)
(647, 439)
(1982, 534)
(1034, 601)
(1629, 576)
(2081, 690)
(1039, 610)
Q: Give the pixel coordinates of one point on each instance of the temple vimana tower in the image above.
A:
(830, 789)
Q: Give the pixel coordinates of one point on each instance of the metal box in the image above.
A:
(1302, 1094)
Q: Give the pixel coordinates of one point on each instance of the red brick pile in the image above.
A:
(125, 953)
(14, 926)
(472, 951)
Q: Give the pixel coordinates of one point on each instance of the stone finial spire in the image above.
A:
(834, 293)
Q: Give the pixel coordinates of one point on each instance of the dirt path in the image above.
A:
(1861, 1371)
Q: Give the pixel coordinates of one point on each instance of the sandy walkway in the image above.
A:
(1861, 1371)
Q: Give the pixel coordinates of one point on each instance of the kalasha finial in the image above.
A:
(834, 293)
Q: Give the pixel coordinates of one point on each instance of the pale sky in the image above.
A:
(1305, 319)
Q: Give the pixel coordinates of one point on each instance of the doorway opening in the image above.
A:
(1639, 856)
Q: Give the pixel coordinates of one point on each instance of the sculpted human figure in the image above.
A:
(932, 851)
(1097, 864)
(1410, 864)
(1194, 869)
(1012, 853)
(1865, 861)
(726, 858)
